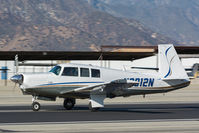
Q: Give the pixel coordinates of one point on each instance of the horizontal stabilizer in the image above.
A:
(153, 68)
(145, 68)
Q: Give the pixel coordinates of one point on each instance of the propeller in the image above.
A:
(17, 79)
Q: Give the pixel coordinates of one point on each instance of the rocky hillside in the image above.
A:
(67, 25)
(177, 19)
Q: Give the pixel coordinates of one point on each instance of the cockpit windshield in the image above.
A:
(56, 70)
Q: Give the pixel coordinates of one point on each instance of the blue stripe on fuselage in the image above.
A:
(69, 83)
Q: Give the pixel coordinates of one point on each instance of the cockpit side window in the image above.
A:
(95, 73)
(56, 70)
(70, 71)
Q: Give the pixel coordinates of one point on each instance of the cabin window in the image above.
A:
(70, 71)
(95, 73)
(84, 72)
(56, 70)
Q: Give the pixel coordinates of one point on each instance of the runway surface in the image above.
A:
(51, 113)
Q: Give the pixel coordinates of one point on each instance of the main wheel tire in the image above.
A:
(69, 103)
(36, 106)
(92, 109)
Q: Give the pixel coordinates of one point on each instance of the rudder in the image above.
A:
(170, 66)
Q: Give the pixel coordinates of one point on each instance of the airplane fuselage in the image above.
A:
(50, 85)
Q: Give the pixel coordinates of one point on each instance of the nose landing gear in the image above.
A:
(35, 105)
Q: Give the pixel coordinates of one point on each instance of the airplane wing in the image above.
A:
(116, 84)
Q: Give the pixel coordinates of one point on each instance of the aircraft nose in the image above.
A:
(17, 79)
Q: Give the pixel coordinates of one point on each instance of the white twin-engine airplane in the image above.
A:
(75, 81)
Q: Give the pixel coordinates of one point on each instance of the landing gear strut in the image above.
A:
(69, 103)
(35, 105)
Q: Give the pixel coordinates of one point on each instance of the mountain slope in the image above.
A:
(67, 25)
(177, 19)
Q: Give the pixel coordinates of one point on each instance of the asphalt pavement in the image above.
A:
(51, 113)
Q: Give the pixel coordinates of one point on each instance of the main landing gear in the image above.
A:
(69, 103)
(92, 109)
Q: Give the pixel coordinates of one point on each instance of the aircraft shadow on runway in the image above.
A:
(149, 109)
(120, 109)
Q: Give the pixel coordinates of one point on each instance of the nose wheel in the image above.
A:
(36, 106)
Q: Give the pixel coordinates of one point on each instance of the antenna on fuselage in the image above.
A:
(101, 59)
(16, 64)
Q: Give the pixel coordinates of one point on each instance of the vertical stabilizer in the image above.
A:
(170, 66)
